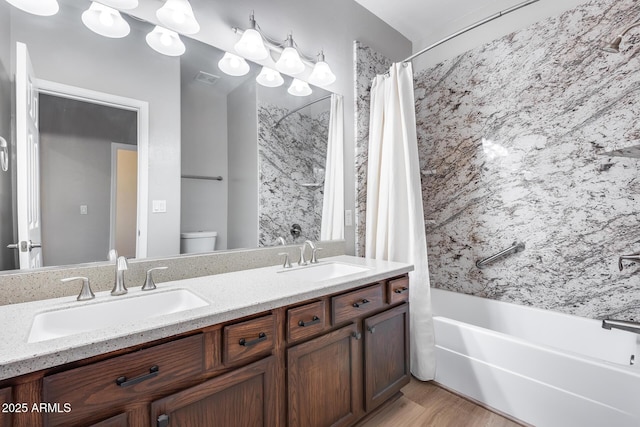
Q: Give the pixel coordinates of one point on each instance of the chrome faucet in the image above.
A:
(632, 257)
(85, 293)
(281, 241)
(119, 287)
(314, 258)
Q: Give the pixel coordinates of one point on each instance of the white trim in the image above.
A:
(142, 108)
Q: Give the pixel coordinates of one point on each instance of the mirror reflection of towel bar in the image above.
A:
(514, 248)
(211, 178)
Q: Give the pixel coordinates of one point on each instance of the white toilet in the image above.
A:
(198, 241)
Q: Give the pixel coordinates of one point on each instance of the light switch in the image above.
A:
(159, 206)
(348, 218)
(83, 209)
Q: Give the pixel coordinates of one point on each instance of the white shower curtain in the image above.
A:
(332, 226)
(395, 221)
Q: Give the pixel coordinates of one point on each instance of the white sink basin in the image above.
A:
(90, 317)
(324, 271)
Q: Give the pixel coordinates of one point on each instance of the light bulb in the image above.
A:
(106, 18)
(178, 16)
(165, 41)
(290, 62)
(321, 74)
(105, 21)
(233, 65)
(299, 88)
(251, 46)
(269, 78)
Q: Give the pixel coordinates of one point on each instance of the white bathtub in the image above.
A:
(541, 367)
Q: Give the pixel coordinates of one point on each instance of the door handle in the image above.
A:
(30, 245)
(24, 246)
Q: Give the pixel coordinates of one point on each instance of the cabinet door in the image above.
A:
(386, 355)
(243, 397)
(120, 420)
(5, 415)
(324, 378)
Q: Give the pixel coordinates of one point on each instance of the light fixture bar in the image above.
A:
(269, 43)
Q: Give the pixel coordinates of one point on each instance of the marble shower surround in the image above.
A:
(511, 139)
(288, 155)
(368, 64)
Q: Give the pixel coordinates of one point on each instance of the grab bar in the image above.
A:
(514, 248)
(623, 325)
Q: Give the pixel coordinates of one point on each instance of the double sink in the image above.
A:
(92, 316)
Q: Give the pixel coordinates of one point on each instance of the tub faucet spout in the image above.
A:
(632, 257)
(623, 325)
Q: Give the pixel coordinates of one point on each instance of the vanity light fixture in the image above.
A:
(233, 65)
(290, 62)
(251, 44)
(106, 21)
(165, 41)
(299, 88)
(322, 74)
(120, 4)
(37, 7)
(178, 15)
(269, 78)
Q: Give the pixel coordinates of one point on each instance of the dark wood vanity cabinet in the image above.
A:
(243, 397)
(6, 400)
(323, 362)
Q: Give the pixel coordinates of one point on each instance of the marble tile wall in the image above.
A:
(514, 139)
(292, 157)
(368, 63)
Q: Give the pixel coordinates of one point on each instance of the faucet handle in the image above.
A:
(113, 255)
(301, 259)
(149, 284)
(85, 293)
(314, 255)
(286, 263)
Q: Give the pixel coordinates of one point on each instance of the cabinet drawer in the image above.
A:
(105, 386)
(305, 321)
(398, 290)
(354, 304)
(250, 338)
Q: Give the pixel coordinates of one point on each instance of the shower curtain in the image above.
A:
(332, 225)
(394, 220)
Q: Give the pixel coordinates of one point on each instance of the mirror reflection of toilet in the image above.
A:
(198, 242)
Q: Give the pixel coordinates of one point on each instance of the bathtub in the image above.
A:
(541, 367)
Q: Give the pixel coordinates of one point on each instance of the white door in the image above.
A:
(28, 162)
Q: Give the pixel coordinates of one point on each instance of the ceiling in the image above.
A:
(425, 22)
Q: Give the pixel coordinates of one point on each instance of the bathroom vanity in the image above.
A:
(314, 351)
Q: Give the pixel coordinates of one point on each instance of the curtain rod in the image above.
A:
(300, 108)
(471, 27)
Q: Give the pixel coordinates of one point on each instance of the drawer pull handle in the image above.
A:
(371, 329)
(313, 321)
(363, 302)
(356, 335)
(401, 290)
(261, 337)
(124, 382)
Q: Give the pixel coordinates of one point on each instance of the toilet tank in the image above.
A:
(197, 242)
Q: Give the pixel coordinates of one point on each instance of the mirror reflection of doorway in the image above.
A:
(81, 198)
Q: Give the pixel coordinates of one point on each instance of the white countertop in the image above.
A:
(230, 296)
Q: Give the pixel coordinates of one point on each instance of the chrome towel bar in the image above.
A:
(623, 325)
(514, 248)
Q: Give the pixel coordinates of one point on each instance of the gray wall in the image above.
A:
(7, 258)
(79, 57)
(75, 164)
(517, 140)
(242, 114)
(204, 152)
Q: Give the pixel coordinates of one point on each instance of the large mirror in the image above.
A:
(140, 151)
